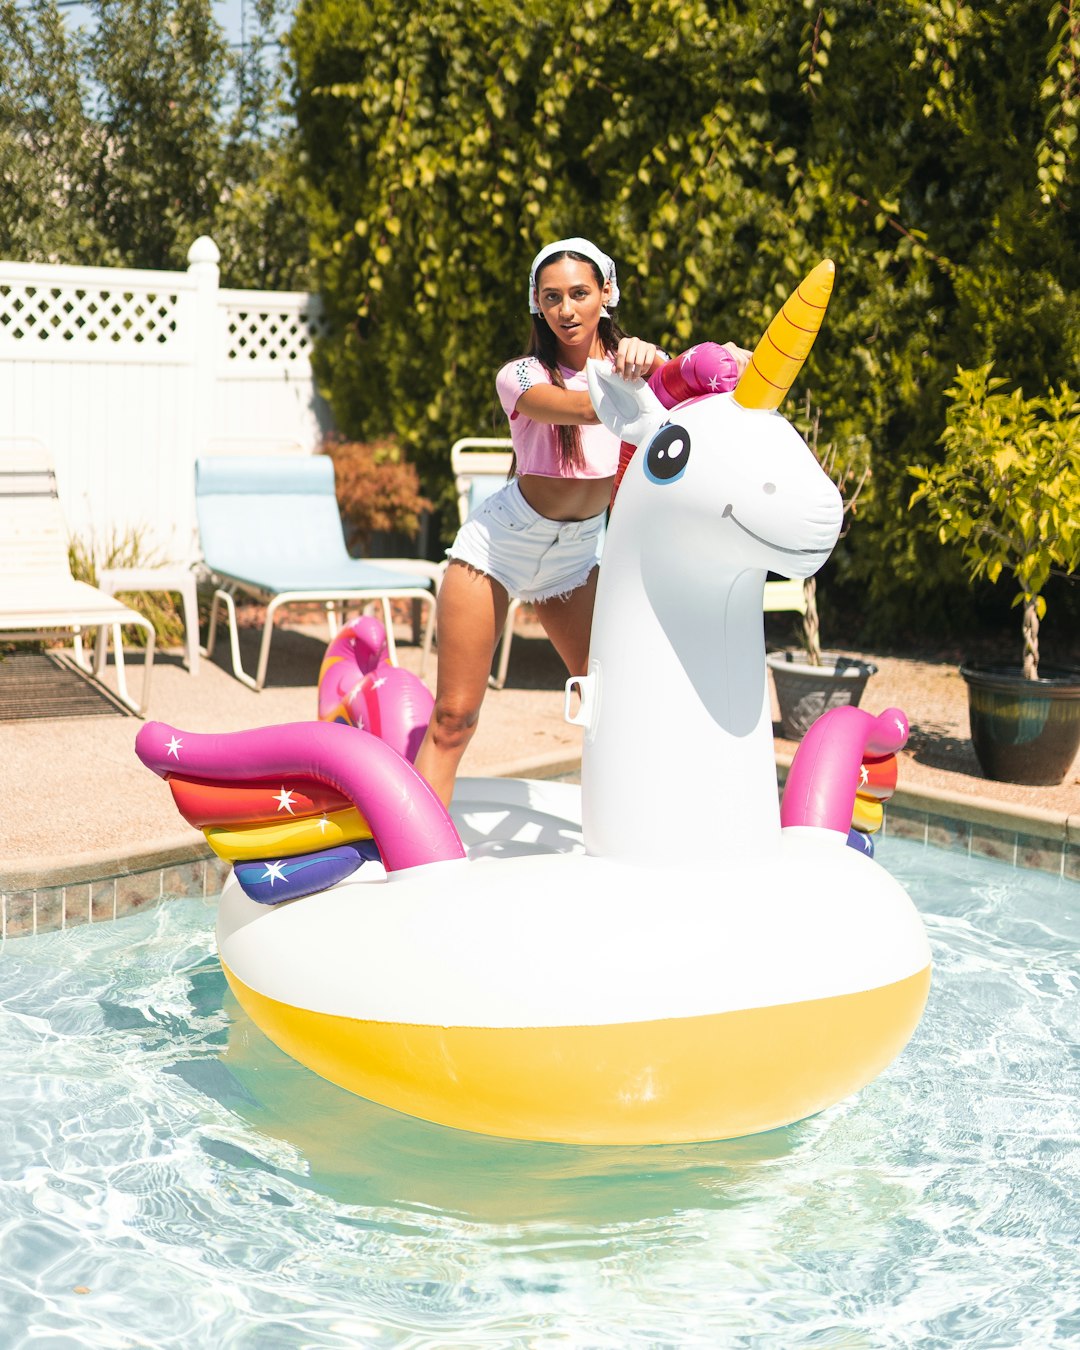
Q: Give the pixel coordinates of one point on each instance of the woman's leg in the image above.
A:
(471, 612)
(567, 621)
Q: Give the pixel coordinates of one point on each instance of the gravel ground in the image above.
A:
(74, 789)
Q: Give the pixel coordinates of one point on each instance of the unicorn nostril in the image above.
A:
(768, 488)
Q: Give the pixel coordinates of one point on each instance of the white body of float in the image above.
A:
(534, 992)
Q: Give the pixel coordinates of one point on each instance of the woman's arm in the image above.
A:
(561, 407)
(635, 359)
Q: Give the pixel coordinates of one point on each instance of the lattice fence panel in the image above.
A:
(273, 336)
(97, 317)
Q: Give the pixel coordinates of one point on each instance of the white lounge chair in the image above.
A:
(39, 597)
(269, 527)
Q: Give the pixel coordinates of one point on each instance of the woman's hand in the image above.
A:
(739, 355)
(636, 359)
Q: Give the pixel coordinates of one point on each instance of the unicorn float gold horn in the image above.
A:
(779, 356)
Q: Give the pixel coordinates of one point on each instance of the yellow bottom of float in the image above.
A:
(672, 1080)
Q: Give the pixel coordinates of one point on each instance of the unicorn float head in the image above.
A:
(721, 490)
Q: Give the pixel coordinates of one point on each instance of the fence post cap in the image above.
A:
(203, 250)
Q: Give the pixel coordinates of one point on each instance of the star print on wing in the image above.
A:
(173, 747)
(688, 355)
(285, 801)
(714, 382)
(864, 775)
(274, 872)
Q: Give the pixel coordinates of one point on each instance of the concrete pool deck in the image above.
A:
(87, 833)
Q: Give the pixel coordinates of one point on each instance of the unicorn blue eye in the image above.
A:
(668, 454)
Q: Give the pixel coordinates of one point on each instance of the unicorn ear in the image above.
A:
(628, 408)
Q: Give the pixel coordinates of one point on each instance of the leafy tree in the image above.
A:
(445, 141)
(944, 138)
(158, 65)
(259, 219)
(44, 153)
(121, 143)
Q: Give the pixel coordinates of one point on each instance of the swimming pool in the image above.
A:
(168, 1178)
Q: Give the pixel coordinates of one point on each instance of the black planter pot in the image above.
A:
(1023, 731)
(804, 691)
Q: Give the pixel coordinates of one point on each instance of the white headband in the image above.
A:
(588, 250)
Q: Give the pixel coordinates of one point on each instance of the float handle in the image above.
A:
(586, 688)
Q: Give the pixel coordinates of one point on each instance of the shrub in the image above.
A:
(377, 489)
(129, 549)
(716, 152)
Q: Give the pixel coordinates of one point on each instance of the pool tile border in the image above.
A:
(1041, 841)
(76, 903)
(1004, 843)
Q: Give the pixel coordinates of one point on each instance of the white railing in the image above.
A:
(127, 376)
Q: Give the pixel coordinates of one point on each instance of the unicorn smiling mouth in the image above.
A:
(729, 514)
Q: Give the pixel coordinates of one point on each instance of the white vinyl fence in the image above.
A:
(127, 376)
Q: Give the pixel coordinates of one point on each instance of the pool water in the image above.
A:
(168, 1178)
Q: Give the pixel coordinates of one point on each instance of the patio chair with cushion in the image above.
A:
(39, 597)
(480, 466)
(269, 528)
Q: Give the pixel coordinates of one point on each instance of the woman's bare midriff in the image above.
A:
(566, 498)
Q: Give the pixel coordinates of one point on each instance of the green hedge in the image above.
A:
(717, 151)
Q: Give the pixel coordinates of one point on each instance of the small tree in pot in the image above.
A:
(811, 681)
(1008, 493)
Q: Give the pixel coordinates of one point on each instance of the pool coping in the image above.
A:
(104, 886)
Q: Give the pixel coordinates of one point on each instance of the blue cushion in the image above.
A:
(273, 522)
(258, 475)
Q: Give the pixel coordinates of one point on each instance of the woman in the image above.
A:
(538, 538)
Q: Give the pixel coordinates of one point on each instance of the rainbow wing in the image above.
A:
(300, 807)
(269, 881)
(843, 772)
(877, 783)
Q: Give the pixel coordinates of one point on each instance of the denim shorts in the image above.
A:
(533, 557)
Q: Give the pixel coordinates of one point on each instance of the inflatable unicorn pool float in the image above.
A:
(665, 954)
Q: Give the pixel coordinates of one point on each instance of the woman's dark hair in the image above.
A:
(543, 345)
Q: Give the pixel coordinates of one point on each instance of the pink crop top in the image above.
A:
(535, 445)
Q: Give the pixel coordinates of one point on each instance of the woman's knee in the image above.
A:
(453, 722)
